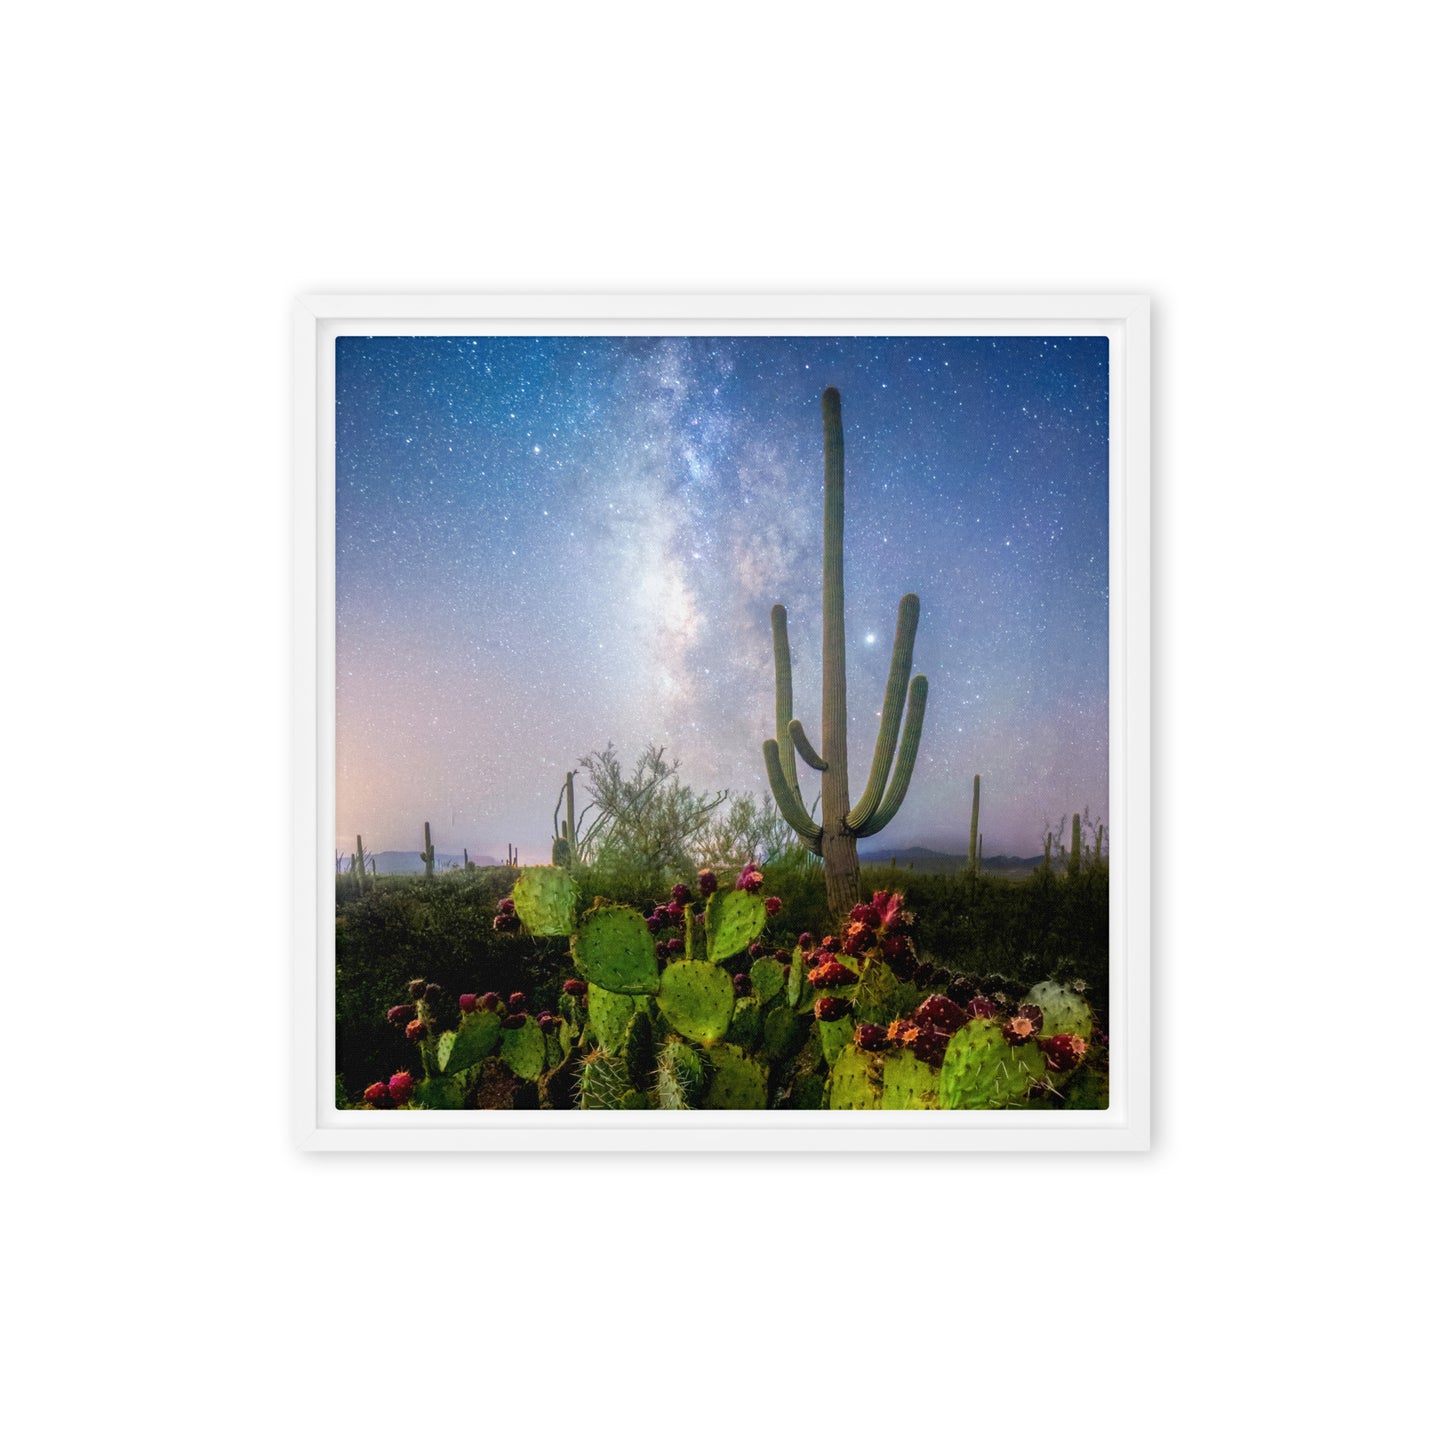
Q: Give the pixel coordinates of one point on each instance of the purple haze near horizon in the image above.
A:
(545, 544)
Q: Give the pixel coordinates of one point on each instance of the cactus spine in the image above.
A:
(835, 838)
(1075, 855)
(973, 831)
(429, 857)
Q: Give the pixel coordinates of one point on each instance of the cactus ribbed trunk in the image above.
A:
(840, 848)
(360, 866)
(973, 831)
(429, 857)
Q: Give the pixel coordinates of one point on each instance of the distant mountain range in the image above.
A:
(929, 860)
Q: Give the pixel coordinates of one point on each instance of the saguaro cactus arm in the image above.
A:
(893, 696)
(907, 756)
(804, 747)
(783, 700)
(789, 804)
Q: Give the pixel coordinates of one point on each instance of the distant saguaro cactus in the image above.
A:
(564, 844)
(429, 857)
(1076, 856)
(511, 856)
(973, 831)
(835, 838)
(358, 865)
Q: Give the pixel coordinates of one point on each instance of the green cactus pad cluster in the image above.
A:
(897, 1080)
(747, 1024)
(909, 1083)
(855, 1080)
(981, 1070)
(797, 975)
(610, 1013)
(782, 1032)
(614, 950)
(696, 998)
(733, 920)
(767, 976)
(639, 1051)
(735, 1081)
(524, 1050)
(1065, 1011)
(472, 1040)
(546, 900)
(834, 1035)
(875, 996)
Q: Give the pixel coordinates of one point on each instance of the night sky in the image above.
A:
(545, 544)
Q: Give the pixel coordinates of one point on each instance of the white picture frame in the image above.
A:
(318, 319)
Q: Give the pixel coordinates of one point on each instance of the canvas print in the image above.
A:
(722, 722)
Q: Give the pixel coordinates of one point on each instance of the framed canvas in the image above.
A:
(722, 722)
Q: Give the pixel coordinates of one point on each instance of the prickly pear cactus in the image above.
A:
(473, 1039)
(796, 976)
(546, 900)
(853, 1081)
(909, 1083)
(614, 950)
(610, 1013)
(680, 1076)
(767, 977)
(604, 1083)
(696, 998)
(875, 996)
(782, 1032)
(747, 1023)
(733, 920)
(736, 1082)
(1065, 1011)
(524, 1050)
(834, 1035)
(981, 1070)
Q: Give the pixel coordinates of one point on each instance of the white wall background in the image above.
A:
(1268, 172)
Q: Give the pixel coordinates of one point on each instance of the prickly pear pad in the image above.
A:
(982, 1071)
(854, 1080)
(833, 1034)
(733, 921)
(474, 1038)
(909, 1083)
(736, 1083)
(609, 1014)
(795, 979)
(767, 976)
(1065, 1011)
(696, 998)
(614, 950)
(524, 1050)
(546, 900)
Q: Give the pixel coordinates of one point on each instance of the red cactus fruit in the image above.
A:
(889, 907)
(467, 1003)
(832, 974)
(681, 893)
(756, 948)
(871, 1037)
(750, 880)
(929, 1044)
(774, 906)
(805, 941)
(514, 1021)
(376, 1094)
(674, 945)
(782, 955)
(517, 1003)
(433, 994)
(1034, 1012)
(706, 882)
(415, 1030)
(417, 987)
(980, 1008)
(506, 906)
(548, 1022)
(940, 1012)
(575, 987)
(660, 949)
(399, 1086)
(400, 1014)
(674, 911)
(826, 1010)
(1064, 1051)
(830, 943)
(866, 914)
(506, 923)
(1019, 1029)
(490, 1001)
(653, 921)
(742, 985)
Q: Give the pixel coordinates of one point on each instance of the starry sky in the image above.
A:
(546, 544)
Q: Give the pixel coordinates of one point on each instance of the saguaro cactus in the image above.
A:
(973, 831)
(358, 865)
(564, 844)
(1076, 856)
(835, 837)
(429, 857)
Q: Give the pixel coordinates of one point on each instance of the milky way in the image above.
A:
(545, 544)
